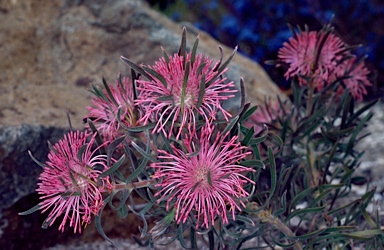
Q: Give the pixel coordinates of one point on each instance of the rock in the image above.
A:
(18, 174)
(52, 51)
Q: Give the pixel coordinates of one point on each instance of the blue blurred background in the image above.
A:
(260, 27)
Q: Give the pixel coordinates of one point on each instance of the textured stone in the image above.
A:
(51, 51)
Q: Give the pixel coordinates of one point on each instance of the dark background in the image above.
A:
(260, 27)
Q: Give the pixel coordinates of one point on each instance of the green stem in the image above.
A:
(310, 97)
(266, 217)
(135, 185)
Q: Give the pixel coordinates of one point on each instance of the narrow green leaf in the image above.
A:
(122, 212)
(136, 67)
(115, 166)
(361, 110)
(359, 126)
(230, 125)
(248, 136)
(81, 151)
(112, 146)
(184, 87)
(299, 197)
(35, 160)
(98, 222)
(194, 49)
(253, 163)
(98, 138)
(183, 46)
(143, 153)
(272, 168)
(283, 208)
(306, 211)
(364, 235)
(165, 55)
(222, 67)
(156, 75)
(31, 210)
(311, 235)
(109, 92)
(248, 113)
(201, 92)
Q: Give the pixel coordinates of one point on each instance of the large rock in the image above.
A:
(51, 51)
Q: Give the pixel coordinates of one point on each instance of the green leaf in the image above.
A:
(232, 123)
(194, 49)
(109, 92)
(115, 166)
(31, 210)
(183, 46)
(98, 221)
(306, 211)
(184, 87)
(156, 75)
(201, 92)
(122, 212)
(248, 113)
(143, 153)
(136, 67)
(272, 168)
(248, 136)
(364, 235)
(352, 140)
(222, 67)
(98, 138)
(35, 160)
(253, 163)
(299, 197)
(361, 110)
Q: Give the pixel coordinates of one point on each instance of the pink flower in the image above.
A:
(264, 114)
(69, 183)
(356, 77)
(203, 185)
(312, 54)
(172, 103)
(105, 109)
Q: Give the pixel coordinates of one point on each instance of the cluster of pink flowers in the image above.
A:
(200, 178)
(321, 58)
(180, 97)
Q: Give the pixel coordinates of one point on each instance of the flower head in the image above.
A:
(312, 54)
(70, 182)
(173, 97)
(106, 105)
(264, 114)
(355, 77)
(203, 185)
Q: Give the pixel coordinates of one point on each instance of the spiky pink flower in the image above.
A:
(106, 105)
(355, 77)
(265, 114)
(70, 184)
(312, 54)
(173, 101)
(203, 185)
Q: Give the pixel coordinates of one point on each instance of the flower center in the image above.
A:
(203, 176)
